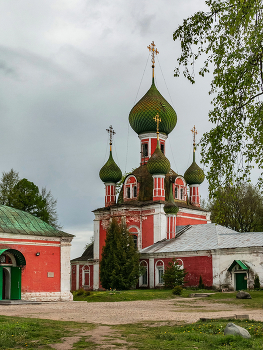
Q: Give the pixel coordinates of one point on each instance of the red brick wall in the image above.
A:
(34, 274)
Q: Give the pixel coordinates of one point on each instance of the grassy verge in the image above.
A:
(126, 295)
(151, 294)
(200, 335)
(25, 333)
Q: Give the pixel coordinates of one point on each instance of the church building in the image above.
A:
(154, 202)
(34, 258)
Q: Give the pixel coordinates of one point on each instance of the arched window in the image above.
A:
(159, 271)
(134, 231)
(86, 276)
(180, 189)
(143, 280)
(130, 187)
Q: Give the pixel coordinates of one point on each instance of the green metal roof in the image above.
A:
(19, 222)
(20, 259)
(240, 263)
(142, 114)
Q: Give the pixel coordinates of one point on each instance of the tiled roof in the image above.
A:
(206, 237)
(20, 222)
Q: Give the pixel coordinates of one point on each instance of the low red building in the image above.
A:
(34, 258)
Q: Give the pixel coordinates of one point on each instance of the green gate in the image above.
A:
(241, 282)
(15, 283)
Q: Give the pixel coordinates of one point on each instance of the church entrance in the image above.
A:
(11, 263)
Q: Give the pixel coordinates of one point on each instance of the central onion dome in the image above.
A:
(141, 115)
(158, 163)
(110, 172)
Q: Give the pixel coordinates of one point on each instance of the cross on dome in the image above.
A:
(111, 132)
(154, 52)
(194, 131)
(157, 119)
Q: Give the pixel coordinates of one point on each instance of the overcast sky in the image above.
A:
(68, 70)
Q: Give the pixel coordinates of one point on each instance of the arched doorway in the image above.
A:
(11, 263)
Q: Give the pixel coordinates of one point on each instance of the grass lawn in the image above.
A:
(126, 295)
(23, 333)
(200, 335)
(27, 333)
(150, 294)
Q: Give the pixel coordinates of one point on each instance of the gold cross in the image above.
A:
(194, 131)
(111, 132)
(157, 120)
(154, 52)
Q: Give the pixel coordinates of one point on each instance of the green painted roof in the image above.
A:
(158, 163)
(19, 222)
(194, 175)
(110, 172)
(142, 114)
(20, 259)
(170, 207)
(240, 263)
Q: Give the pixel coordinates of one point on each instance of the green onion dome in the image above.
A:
(194, 175)
(158, 163)
(170, 207)
(110, 172)
(142, 114)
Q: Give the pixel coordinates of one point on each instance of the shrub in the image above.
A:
(79, 292)
(256, 282)
(173, 275)
(201, 284)
(177, 290)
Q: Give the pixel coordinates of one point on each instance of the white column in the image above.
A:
(65, 269)
(151, 272)
(96, 278)
(77, 276)
(96, 247)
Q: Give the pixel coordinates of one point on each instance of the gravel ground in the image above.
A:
(188, 310)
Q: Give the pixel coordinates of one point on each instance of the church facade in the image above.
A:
(154, 202)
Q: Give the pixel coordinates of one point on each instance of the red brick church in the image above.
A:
(155, 202)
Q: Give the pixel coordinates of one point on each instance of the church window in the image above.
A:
(135, 240)
(175, 192)
(128, 192)
(182, 193)
(159, 270)
(160, 275)
(145, 149)
(162, 147)
(135, 191)
(143, 280)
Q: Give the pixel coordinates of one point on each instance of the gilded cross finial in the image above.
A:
(157, 120)
(194, 131)
(111, 132)
(154, 52)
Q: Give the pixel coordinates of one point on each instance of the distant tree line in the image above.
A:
(238, 207)
(25, 195)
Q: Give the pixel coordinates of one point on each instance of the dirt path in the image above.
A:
(187, 310)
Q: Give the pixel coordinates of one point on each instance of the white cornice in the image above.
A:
(152, 135)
